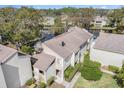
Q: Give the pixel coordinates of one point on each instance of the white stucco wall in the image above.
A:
(106, 58)
(25, 69)
(2, 80)
(51, 71)
(69, 61)
(17, 71)
(39, 76)
(82, 53)
(47, 74)
(36, 74)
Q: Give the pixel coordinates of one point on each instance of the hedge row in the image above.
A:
(42, 85)
(30, 81)
(71, 71)
(113, 68)
(50, 81)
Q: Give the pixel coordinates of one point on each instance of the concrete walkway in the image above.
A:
(73, 81)
(106, 71)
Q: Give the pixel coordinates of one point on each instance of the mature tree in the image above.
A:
(58, 27)
(20, 25)
(120, 76)
(27, 49)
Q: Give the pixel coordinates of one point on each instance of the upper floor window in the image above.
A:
(98, 21)
(41, 72)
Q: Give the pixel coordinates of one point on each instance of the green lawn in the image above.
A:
(105, 82)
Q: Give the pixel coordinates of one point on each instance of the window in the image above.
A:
(57, 71)
(98, 21)
(41, 72)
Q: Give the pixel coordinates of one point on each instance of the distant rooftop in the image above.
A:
(68, 42)
(110, 42)
(100, 18)
(5, 53)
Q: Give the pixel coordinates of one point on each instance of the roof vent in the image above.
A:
(63, 43)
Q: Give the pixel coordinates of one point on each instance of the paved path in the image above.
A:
(78, 74)
(106, 71)
(72, 83)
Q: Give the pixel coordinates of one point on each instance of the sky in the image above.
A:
(62, 6)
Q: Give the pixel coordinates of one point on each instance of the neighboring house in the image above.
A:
(108, 49)
(48, 21)
(60, 52)
(64, 18)
(100, 21)
(15, 68)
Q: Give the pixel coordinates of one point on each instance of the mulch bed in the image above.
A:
(56, 85)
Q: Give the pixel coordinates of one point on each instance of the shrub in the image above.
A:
(113, 68)
(42, 85)
(77, 66)
(90, 69)
(86, 58)
(30, 81)
(91, 73)
(68, 71)
(120, 77)
(95, 64)
(27, 49)
(50, 81)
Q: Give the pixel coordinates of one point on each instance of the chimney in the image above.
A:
(63, 43)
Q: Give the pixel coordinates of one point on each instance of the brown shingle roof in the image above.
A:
(44, 61)
(110, 42)
(5, 53)
(73, 39)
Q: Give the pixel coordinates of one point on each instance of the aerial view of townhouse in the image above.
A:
(61, 48)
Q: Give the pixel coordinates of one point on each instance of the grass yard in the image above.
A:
(106, 81)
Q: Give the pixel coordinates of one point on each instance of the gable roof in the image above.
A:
(110, 42)
(44, 61)
(73, 39)
(5, 53)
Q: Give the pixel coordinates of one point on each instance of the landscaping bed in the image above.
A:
(31, 83)
(71, 71)
(90, 70)
(56, 85)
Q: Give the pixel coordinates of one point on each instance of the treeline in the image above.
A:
(116, 17)
(23, 25)
(20, 25)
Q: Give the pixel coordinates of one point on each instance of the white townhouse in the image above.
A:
(108, 49)
(15, 68)
(60, 52)
(100, 21)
